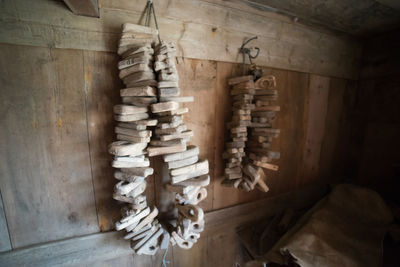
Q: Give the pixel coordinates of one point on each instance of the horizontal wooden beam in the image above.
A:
(105, 246)
(88, 8)
(202, 30)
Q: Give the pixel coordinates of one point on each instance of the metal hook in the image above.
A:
(247, 51)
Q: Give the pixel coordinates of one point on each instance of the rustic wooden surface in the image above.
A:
(208, 30)
(110, 249)
(46, 181)
(5, 243)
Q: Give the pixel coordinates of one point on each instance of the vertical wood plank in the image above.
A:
(44, 156)
(292, 95)
(317, 104)
(102, 88)
(224, 250)
(197, 256)
(334, 127)
(5, 243)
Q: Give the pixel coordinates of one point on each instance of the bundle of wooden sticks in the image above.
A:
(151, 113)
(251, 133)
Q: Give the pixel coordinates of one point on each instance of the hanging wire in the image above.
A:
(151, 10)
(164, 261)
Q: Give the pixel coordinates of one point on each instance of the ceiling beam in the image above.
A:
(88, 8)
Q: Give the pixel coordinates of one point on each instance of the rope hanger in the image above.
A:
(150, 10)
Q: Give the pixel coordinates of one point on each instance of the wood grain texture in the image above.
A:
(292, 96)
(224, 249)
(102, 86)
(46, 181)
(197, 78)
(196, 256)
(336, 130)
(218, 30)
(316, 110)
(5, 243)
(220, 227)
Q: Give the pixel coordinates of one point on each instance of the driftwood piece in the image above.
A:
(164, 106)
(202, 180)
(123, 148)
(139, 91)
(156, 151)
(139, 101)
(190, 152)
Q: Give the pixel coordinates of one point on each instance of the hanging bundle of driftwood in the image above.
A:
(251, 132)
(151, 99)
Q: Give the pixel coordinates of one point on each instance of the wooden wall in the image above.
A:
(376, 116)
(55, 176)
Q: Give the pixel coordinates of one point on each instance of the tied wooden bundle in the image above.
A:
(248, 151)
(149, 73)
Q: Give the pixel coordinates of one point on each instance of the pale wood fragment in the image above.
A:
(202, 181)
(167, 84)
(184, 134)
(169, 91)
(144, 172)
(139, 91)
(175, 130)
(191, 168)
(133, 69)
(127, 164)
(181, 163)
(132, 132)
(133, 139)
(122, 148)
(265, 165)
(183, 177)
(190, 152)
(131, 125)
(164, 106)
(135, 60)
(168, 143)
(156, 151)
(131, 117)
(127, 177)
(182, 99)
(135, 28)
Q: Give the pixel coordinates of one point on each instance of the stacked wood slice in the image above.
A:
(262, 133)
(133, 135)
(242, 92)
(141, 60)
(188, 174)
(252, 109)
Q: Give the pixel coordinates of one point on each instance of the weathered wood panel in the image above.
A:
(197, 78)
(101, 86)
(44, 157)
(292, 96)
(195, 257)
(316, 110)
(224, 249)
(336, 129)
(5, 243)
(220, 225)
(202, 30)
